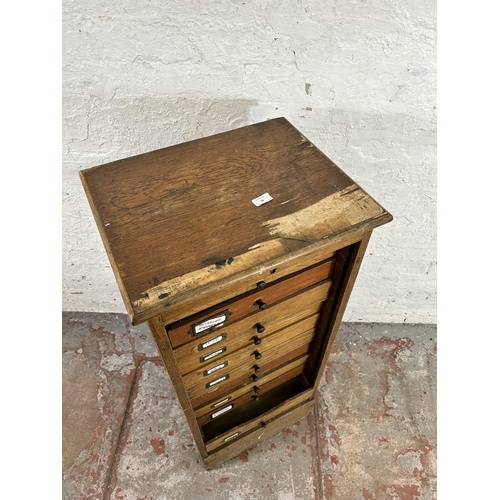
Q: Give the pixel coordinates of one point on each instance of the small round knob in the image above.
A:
(263, 424)
(256, 340)
(262, 305)
(256, 389)
(255, 397)
(260, 328)
(257, 354)
(256, 368)
(255, 377)
(261, 285)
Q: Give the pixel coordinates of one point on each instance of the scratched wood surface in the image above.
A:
(242, 306)
(182, 217)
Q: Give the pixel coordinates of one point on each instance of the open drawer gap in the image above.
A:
(252, 409)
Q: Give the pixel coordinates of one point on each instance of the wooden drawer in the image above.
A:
(248, 377)
(283, 341)
(196, 386)
(231, 311)
(246, 331)
(195, 359)
(236, 393)
(242, 442)
(253, 393)
(222, 431)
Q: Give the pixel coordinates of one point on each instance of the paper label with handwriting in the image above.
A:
(209, 323)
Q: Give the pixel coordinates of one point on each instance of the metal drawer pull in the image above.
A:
(261, 285)
(260, 328)
(262, 305)
(257, 354)
(256, 368)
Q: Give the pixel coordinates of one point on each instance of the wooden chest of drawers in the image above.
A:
(240, 250)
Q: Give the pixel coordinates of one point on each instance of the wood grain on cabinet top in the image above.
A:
(180, 219)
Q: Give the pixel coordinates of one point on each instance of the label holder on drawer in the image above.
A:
(220, 403)
(215, 369)
(221, 412)
(211, 342)
(210, 324)
(213, 354)
(232, 436)
(217, 381)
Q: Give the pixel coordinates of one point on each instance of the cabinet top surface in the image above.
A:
(183, 216)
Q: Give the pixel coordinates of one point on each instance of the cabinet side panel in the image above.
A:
(345, 273)
(161, 339)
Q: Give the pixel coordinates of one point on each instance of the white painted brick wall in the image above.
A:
(357, 77)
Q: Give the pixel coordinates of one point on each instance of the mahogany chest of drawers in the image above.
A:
(240, 250)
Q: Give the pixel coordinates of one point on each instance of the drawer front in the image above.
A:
(225, 371)
(281, 339)
(203, 351)
(253, 393)
(241, 335)
(246, 378)
(240, 391)
(227, 352)
(233, 434)
(230, 311)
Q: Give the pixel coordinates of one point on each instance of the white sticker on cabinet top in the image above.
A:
(263, 198)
